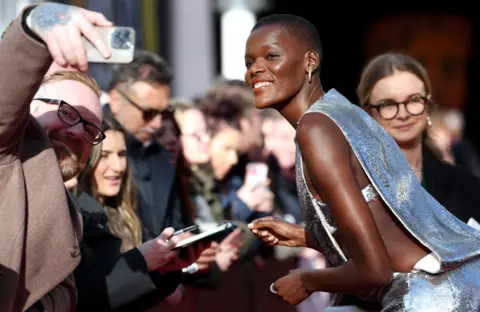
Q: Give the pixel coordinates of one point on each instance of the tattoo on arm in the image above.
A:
(48, 15)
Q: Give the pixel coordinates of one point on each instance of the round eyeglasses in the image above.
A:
(388, 109)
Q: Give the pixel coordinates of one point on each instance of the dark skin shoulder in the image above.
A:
(376, 244)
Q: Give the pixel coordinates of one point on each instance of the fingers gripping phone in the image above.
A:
(120, 40)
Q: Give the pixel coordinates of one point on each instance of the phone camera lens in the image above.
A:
(121, 39)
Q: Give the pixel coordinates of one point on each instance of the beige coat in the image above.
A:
(39, 230)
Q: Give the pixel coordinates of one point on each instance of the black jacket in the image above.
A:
(109, 280)
(452, 186)
(154, 175)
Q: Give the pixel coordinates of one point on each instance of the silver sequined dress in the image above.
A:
(452, 285)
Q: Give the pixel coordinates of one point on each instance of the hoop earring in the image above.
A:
(429, 121)
(309, 76)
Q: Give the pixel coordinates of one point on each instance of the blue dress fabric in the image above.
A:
(454, 284)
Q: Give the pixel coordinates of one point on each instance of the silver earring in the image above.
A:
(429, 121)
(309, 76)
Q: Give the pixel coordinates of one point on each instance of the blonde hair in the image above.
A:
(74, 76)
(387, 64)
(121, 210)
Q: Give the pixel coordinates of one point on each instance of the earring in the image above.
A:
(429, 121)
(309, 76)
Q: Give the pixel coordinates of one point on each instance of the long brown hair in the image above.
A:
(183, 171)
(385, 65)
(121, 210)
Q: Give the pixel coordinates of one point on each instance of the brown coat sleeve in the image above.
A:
(24, 61)
(62, 298)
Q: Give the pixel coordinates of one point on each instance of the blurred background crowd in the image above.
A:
(228, 160)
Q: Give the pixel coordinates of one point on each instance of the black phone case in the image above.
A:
(217, 237)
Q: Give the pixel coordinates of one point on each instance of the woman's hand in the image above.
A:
(291, 288)
(156, 252)
(159, 256)
(274, 231)
(207, 257)
(257, 197)
(228, 249)
(193, 254)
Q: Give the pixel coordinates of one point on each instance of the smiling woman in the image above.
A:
(107, 178)
(276, 60)
(386, 238)
(400, 84)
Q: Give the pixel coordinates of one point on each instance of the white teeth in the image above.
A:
(261, 84)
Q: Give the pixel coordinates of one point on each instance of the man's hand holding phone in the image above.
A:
(76, 36)
(62, 26)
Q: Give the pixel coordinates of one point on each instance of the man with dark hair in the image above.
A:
(146, 66)
(139, 95)
(232, 101)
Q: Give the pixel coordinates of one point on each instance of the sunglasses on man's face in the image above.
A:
(147, 114)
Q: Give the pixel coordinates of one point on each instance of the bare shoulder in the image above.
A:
(320, 130)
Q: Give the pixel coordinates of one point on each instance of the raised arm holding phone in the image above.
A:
(40, 224)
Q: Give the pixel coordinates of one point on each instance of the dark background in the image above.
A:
(343, 28)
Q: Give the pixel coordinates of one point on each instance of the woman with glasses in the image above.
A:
(396, 91)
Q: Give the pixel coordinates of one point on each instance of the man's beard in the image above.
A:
(70, 167)
(70, 164)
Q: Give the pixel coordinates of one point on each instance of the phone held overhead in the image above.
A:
(121, 41)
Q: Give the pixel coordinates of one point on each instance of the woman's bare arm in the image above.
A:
(327, 158)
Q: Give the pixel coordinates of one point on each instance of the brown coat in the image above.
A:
(39, 230)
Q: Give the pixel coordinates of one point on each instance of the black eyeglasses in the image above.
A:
(388, 109)
(70, 116)
(147, 114)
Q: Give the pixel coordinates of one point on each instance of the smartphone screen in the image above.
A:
(256, 173)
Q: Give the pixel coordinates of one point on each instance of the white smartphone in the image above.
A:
(121, 41)
(256, 173)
